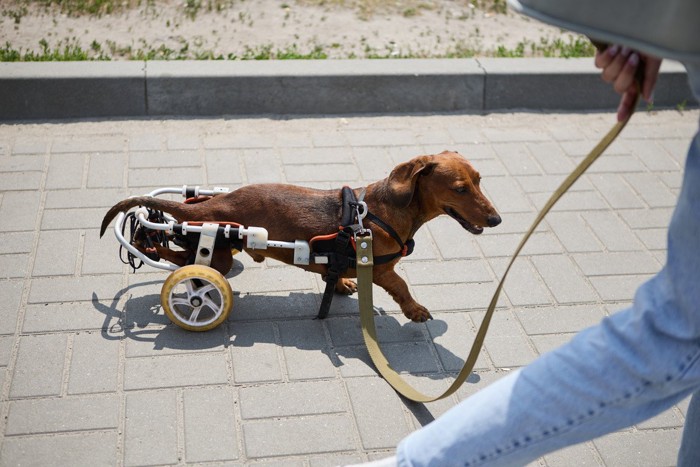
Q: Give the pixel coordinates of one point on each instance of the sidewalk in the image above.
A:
(92, 373)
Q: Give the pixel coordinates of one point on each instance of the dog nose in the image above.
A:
(493, 221)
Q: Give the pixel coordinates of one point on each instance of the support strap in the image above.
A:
(339, 263)
(364, 279)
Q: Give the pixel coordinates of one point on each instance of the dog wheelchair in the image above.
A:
(196, 296)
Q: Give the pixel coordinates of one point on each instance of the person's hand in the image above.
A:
(620, 67)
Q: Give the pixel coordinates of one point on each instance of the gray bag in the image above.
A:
(664, 28)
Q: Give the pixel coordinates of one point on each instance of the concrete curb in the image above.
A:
(57, 90)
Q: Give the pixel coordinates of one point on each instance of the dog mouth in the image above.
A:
(476, 230)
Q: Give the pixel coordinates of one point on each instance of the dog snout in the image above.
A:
(493, 221)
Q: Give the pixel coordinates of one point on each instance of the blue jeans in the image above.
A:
(632, 366)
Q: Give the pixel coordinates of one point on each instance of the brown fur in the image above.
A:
(414, 193)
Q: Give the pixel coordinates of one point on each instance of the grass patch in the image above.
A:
(573, 47)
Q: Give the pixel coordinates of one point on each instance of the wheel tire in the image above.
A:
(196, 297)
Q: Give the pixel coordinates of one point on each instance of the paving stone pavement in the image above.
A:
(92, 373)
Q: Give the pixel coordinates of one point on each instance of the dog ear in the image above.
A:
(401, 183)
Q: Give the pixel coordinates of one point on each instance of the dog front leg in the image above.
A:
(397, 288)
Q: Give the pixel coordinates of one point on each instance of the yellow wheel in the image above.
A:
(196, 297)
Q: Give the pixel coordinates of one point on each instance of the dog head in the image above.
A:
(445, 183)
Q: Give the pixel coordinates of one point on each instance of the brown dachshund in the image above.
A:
(414, 193)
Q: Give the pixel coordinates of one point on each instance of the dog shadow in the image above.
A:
(284, 319)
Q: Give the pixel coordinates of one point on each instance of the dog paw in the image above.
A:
(417, 313)
(345, 286)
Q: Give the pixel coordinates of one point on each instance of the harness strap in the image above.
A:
(338, 265)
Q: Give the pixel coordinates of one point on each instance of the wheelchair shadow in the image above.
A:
(285, 319)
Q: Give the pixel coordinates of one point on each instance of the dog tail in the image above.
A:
(178, 210)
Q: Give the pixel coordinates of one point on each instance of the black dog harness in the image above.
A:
(340, 250)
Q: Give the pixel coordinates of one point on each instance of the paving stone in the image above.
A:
(268, 305)
(540, 243)
(150, 435)
(16, 243)
(94, 365)
(453, 336)
(66, 171)
(6, 343)
(293, 399)
(210, 425)
(547, 342)
(652, 190)
(560, 319)
(639, 448)
(298, 436)
(34, 416)
(172, 340)
(84, 198)
(551, 157)
(306, 350)
(273, 280)
(11, 292)
(262, 166)
(51, 317)
(176, 176)
(68, 219)
(145, 142)
(39, 367)
(573, 232)
(381, 137)
(354, 361)
(20, 181)
(57, 253)
(341, 173)
(653, 239)
(563, 279)
(507, 196)
(457, 297)
(647, 218)
(88, 143)
(446, 272)
(378, 413)
(164, 158)
(610, 229)
(223, 167)
(255, 353)
(373, 163)
(73, 289)
(316, 156)
(18, 211)
(30, 145)
(175, 371)
(667, 419)
(517, 159)
(572, 201)
(506, 344)
(63, 449)
(347, 331)
(618, 288)
(106, 170)
(616, 191)
(583, 454)
(523, 286)
(13, 266)
(616, 263)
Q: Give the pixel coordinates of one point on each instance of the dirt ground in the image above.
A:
(246, 28)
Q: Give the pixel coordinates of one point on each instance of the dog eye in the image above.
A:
(462, 189)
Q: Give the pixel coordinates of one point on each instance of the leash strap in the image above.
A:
(364, 279)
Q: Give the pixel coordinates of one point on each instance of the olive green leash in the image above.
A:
(364, 283)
